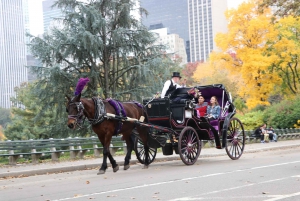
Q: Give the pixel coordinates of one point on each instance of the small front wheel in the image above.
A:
(140, 151)
(189, 145)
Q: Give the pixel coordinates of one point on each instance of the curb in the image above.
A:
(33, 172)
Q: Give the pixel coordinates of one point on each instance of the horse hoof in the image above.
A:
(116, 168)
(101, 172)
(126, 167)
(145, 167)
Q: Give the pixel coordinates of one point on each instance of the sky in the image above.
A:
(234, 3)
(36, 14)
(35, 10)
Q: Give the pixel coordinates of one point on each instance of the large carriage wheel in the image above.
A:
(189, 145)
(235, 139)
(140, 151)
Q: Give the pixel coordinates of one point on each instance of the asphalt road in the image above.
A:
(268, 175)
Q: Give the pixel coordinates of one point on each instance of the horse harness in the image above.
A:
(100, 112)
(78, 117)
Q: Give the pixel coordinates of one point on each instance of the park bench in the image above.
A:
(37, 148)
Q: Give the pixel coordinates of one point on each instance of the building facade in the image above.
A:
(175, 45)
(12, 49)
(206, 19)
(49, 14)
(171, 13)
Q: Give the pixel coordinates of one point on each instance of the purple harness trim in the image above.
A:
(138, 104)
(119, 111)
(117, 106)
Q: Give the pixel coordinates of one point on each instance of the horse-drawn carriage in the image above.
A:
(172, 126)
(175, 127)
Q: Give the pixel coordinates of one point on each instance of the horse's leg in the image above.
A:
(143, 132)
(114, 164)
(130, 144)
(146, 148)
(106, 153)
(104, 163)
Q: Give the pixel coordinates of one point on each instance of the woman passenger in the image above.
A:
(214, 109)
(201, 107)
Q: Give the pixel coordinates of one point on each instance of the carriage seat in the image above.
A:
(179, 92)
(215, 124)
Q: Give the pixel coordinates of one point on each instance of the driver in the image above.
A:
(171, 85)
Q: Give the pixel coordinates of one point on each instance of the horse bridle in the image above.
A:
(79, 116)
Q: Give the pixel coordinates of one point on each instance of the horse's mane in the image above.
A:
(80, 85)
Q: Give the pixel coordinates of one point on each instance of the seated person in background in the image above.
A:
(271, 131)
(262, 132)
(214, 109)
(259, 134)
(201, 107)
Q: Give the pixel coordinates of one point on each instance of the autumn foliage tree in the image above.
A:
(2, 136)
(215, 73)
(286, 51)
(249, 32)
(188, 72)
(283, 7)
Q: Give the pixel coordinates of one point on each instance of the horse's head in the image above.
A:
(75, 111)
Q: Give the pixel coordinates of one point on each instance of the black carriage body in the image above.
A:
(180, 119)
(158, 111)
(164, 112)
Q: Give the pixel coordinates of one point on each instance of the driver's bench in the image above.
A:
(178, 108)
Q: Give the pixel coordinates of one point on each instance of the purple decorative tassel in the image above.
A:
(80, 85)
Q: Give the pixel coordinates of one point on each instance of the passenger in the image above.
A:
(171, 85)
(214, 109)
(201, 107)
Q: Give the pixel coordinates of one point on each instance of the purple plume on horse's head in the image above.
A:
(80, 85)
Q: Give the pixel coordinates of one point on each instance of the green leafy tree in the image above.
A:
(252, 120)
(102, 40)
(282, 7)
(4, 116)
(284, 114)
(24, 124)
(240, 104)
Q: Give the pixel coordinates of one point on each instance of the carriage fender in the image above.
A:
(225, 127)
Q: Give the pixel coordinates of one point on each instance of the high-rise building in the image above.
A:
(173, 14)
(206, 19)
(175, 44)
(12, 49)
(50, 13)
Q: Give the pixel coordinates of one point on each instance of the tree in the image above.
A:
(24, 124)
(249, 32)
(188, 72)
(282, 7)
(285, 49)
(4, 117)
(2, 136)
(215, 73)
(102, 40)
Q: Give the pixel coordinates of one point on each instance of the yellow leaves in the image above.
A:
(2, 136)
(243, 51)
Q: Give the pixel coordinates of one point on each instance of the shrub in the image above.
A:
(251, 120)
(284, 114)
